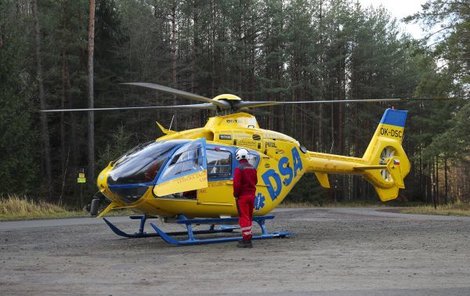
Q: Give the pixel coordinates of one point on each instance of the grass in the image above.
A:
(456, 209)
(22, 208)
(16, 208)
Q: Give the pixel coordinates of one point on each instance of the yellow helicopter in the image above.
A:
(186, 177)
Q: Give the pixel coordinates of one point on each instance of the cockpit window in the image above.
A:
(142, 163)
(220, 163)
(253, 159)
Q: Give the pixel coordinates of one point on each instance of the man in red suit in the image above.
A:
(244, 189)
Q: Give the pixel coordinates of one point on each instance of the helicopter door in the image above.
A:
(185, 171)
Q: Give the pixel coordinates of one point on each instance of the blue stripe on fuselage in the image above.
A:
(394, 117)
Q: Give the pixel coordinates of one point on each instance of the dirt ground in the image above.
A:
(338, 251)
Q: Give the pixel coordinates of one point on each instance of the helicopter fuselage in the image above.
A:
(277, 157)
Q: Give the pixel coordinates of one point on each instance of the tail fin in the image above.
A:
(387, 162)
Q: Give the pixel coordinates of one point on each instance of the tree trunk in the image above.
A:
(321, 62)
(62, 115)
(173, 49)
(173, 45)
(91, 115)
(42, 101)
(446, 186)
(436, 170)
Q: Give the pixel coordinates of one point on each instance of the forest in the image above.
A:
(257, 49)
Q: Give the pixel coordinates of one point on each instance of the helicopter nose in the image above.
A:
(124, 193)
(101, 181)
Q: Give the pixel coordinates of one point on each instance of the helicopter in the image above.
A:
(186, 177)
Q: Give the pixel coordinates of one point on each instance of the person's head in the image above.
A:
(241, 154)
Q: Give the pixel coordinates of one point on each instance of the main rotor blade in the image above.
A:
(205, 106)
(345, 101)
(177, 92)
(256, 104)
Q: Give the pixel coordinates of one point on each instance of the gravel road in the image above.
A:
(338, 251)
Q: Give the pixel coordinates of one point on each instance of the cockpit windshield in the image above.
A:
(142, 163)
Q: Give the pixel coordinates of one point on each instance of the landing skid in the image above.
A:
(222, 227)
(141, 233)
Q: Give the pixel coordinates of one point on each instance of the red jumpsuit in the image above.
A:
(244, 189)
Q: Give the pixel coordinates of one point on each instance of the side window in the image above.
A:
(219, 164)
(184, 162)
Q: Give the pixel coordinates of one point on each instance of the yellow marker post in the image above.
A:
(81, 178)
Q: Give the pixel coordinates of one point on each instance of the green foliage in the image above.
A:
(263, 49)
(447, 122)
(454, 142)
(18, 143)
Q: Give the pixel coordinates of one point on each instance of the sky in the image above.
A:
(400, 9)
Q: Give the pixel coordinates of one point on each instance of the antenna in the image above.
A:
(171, 122)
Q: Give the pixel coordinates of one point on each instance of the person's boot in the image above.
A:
(245, 244)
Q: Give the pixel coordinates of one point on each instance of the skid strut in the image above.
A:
(224, 225)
